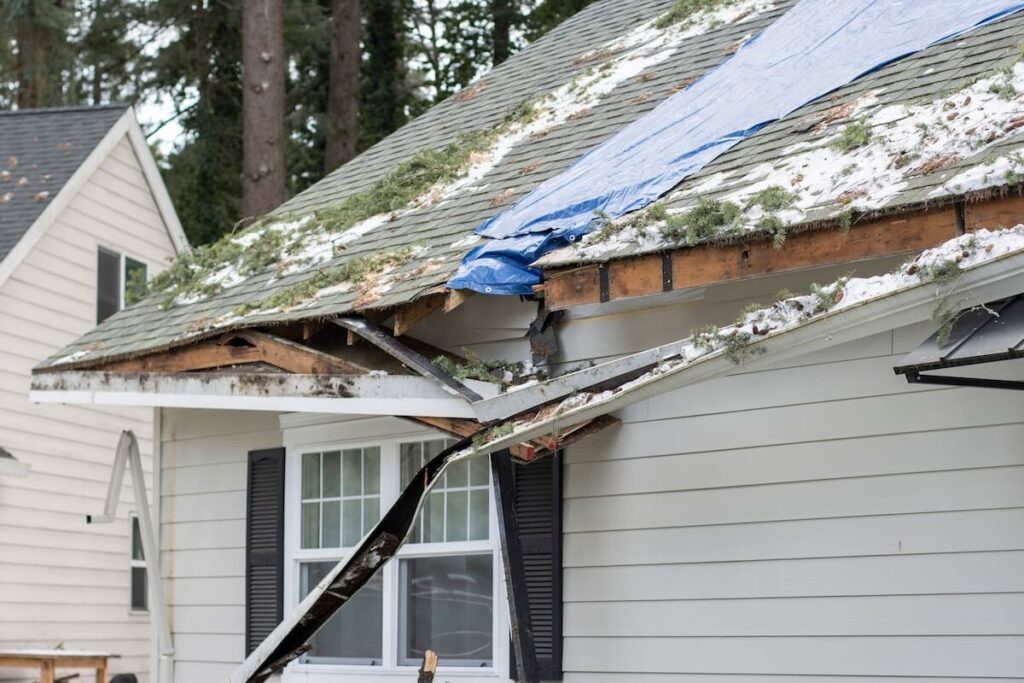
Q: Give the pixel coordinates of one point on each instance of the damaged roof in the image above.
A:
(40, 149)
(600, 70)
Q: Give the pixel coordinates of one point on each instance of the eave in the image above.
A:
(906, 233)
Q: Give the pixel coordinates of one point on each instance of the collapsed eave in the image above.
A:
(399, 395)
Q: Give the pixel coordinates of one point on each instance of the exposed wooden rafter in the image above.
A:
(406, 317)
(711, 264)
(240, 348)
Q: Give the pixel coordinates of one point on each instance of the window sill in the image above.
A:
(335, 672)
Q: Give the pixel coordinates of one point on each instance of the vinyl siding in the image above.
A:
(202, 533)
(822, 520)
(60, 580)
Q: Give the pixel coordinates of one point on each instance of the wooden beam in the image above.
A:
(256, 347)
(711, 264)
(455, 298)
(406, 317)
(1002, 212)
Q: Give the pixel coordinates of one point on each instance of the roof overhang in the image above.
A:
(399, 395)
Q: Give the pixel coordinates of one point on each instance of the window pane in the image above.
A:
(479, 515)
(108, 284)
(432, 448)
(134, 280)
(311, 525)
(354, 635)
(447, 607)
(331, 512)
(352, 480)
(310, 475)
(352, 522)
(371, 513)
(410, 456)
(140, 596)
(433, 524)
(137, 553)
(457, 516)
(332, 475)
(479, 470)
(457, 474)
(371, 471)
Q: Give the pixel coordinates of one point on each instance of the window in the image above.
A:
(139, 585)
(442, 590)
(120, 281)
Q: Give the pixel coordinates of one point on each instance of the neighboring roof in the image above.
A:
(40, 149)
(582, 50)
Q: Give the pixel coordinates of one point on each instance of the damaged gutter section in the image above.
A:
(988, 267)
(400, 395)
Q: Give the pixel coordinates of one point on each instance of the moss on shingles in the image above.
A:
(854, 135)
(683, 10)
(411, 178)
(772, 198)
(709, 219)
(354, 271)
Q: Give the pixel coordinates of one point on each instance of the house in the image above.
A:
(83, 215)
(702, 488)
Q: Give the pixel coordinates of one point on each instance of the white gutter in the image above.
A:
(399, 395)
(995, 279)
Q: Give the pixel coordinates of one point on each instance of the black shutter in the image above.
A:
(108, 284)
(538, 502)
(264, 546)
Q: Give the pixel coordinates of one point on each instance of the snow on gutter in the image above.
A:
(868, 306)
(402, 395)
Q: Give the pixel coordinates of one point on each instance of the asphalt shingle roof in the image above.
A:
(549, 63)
(40, 149)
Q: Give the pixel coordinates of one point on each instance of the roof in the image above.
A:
(598, 67)
(40, 149)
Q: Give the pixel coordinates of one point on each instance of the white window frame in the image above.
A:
(318, 434)
(133, 519)
(122, 264)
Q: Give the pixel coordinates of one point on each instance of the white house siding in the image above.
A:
(60, 580)
(202, 533)
(820, 520)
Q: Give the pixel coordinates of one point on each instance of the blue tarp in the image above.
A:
(816, 47)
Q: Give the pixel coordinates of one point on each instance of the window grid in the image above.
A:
(340, 496)
(457, 507)
(139, 590)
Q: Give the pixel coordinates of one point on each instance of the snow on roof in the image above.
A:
(528, 121)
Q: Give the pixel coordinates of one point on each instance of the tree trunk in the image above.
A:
(263, 104)
(502, 14)
(343, 84)
(384, 93)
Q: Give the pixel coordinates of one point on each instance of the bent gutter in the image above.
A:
(990, 281)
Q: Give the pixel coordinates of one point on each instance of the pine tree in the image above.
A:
(43, 59)
(263, 104)
(343, 88)
(384, 93)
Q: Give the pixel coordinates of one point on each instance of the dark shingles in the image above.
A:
(40, 149)
(546, 65)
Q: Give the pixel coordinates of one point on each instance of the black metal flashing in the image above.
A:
(983, 334)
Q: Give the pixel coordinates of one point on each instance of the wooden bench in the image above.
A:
(48, 661)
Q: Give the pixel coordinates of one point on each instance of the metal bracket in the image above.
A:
(396, 349)
(128, 457)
